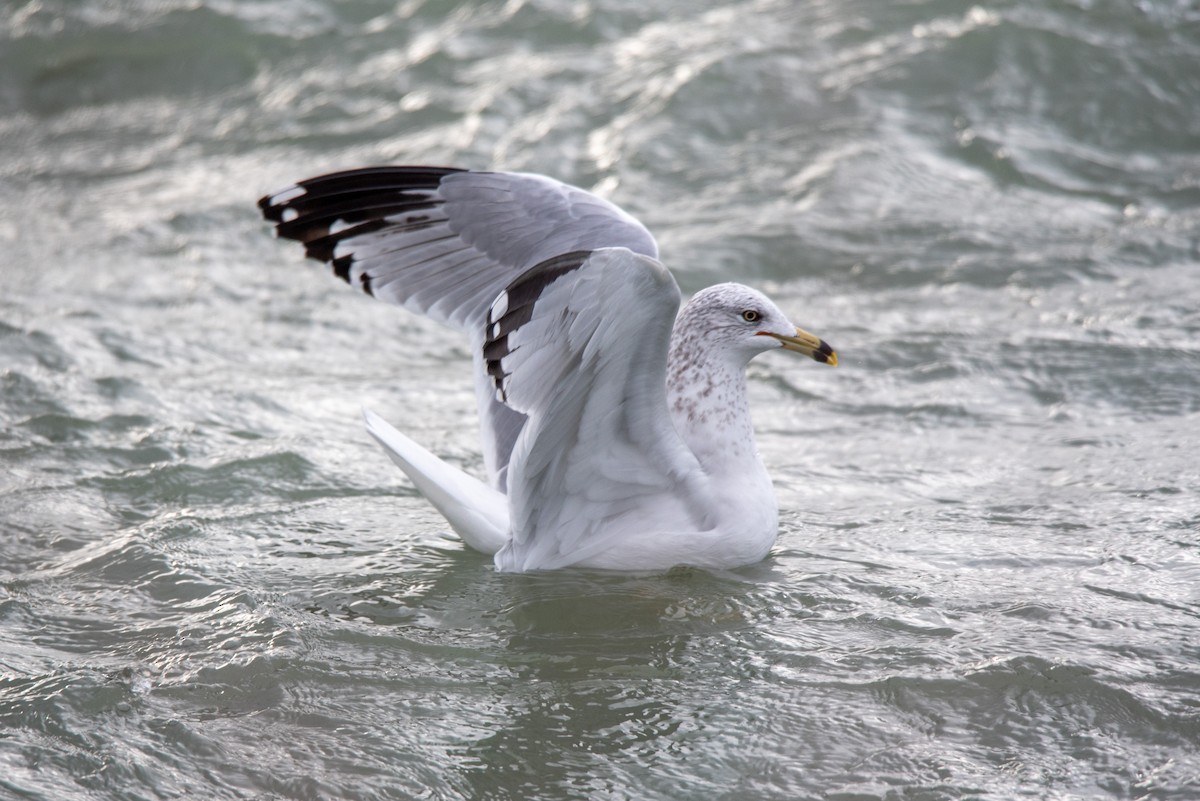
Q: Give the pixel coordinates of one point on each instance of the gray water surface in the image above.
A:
(987, 582)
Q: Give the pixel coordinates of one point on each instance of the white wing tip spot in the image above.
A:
(499, 307)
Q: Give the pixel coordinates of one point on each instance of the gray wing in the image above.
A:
(444, 243)
(579, 345)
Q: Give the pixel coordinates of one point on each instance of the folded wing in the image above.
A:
(579, 346)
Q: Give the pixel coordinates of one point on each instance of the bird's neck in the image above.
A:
(707, 398)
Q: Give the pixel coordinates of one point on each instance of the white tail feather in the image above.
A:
(478, 513)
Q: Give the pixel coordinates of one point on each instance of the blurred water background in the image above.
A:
(987, 584)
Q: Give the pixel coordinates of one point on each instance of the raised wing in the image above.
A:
(579, 345)
(444, 242)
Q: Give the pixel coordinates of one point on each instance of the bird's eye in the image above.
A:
(751, 316)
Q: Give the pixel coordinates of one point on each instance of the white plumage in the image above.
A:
(614, 436)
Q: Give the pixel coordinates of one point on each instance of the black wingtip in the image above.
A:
(326, 213)
(352, 196)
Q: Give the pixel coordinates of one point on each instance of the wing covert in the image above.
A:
(579, 345)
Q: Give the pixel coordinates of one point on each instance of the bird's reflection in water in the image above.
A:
(598, 673)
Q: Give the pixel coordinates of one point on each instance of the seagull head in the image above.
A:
(743, 323)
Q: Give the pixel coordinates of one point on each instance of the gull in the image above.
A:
(615, 435)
